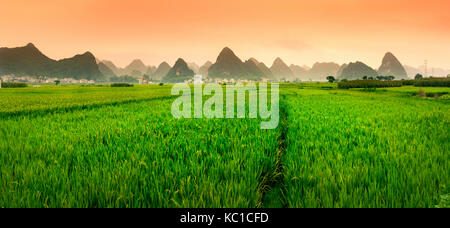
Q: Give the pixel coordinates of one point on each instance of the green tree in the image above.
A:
(418, 76)
(331, 79)
(390, 78)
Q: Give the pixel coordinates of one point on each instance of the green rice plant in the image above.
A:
(13, 85)
(73, 146)
(53, 98)
(368, 84)
(407, 82)
(132, 154)
(433, 82)
(366, 150)
(121, 85)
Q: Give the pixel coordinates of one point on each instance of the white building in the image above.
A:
(50, 80)
(198, 79)
(143, 81)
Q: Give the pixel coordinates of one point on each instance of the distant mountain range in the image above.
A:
(229, 66)
(180, 72)
(357, 70)
(117, 71)
(136, 69)
(281, 71)
(431, 71)
(263, 68)
(161, 71)
(320, 71)
(299, 72)
(203, 70)
(194, 67)
(105, 70)
(391, 66)
(29, 61)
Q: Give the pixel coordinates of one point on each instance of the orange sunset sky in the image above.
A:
(300, 32)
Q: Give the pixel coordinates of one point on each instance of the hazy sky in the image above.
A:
(300, 32)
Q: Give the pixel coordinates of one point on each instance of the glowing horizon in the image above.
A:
(299, 32)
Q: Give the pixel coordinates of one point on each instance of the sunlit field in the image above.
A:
(97, 146)
(354, 148)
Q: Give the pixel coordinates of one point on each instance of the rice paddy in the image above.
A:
(121, 147)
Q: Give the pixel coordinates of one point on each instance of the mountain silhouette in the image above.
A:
(253, 70)
(254, 60)
(280, 70)
(79, 67)
(116, 70)
(105, 70)
(135, 68)
(29, 61)
(180, 72)
(203, 70)
(299, 72)
(320, 71)
(357, 70)
(264, 69)
(341, 68)
(194, 67)
(26, 60)
(390, 66)
(151, 70)
(161, 71)
(229, 66)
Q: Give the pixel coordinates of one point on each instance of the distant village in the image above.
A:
(44, 80)
(197, 79)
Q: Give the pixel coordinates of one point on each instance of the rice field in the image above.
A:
(54, 98)
(93, 146)
(366, 149)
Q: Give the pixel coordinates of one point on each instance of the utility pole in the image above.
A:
(426, 69)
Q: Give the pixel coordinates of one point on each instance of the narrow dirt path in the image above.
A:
(272, 188)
